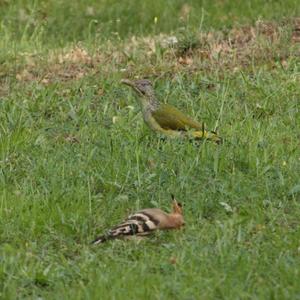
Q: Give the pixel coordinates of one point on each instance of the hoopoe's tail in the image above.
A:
(99, 240)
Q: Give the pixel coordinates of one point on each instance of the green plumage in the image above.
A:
(167, 119)
(170, 118)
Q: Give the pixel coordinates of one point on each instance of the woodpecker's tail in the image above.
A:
(209, 135)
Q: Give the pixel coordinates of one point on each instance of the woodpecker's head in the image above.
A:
(142, 86)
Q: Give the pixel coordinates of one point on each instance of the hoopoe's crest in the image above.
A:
(144, 222)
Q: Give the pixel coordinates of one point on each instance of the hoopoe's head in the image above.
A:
(176, 206)
(177, 212)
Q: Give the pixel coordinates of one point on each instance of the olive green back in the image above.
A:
(169, 117)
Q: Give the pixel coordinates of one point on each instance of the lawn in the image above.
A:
(76, 156)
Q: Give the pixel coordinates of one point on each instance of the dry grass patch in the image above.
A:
(266, 43)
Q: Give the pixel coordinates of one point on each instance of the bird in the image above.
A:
(144, 222)
(166, 119)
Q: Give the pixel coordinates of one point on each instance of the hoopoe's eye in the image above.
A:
(179, 204)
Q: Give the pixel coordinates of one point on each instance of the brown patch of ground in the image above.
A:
(264, 43)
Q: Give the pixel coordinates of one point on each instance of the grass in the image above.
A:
(76, 157)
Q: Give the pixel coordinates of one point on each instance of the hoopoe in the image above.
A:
(144, 222)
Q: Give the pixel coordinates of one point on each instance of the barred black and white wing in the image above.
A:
(140, 223)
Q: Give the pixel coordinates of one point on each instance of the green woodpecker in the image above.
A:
(167, 119)
(144, 222)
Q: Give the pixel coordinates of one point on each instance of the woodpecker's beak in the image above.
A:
(131, 84)
(127, 82)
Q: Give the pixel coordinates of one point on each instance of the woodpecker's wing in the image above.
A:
(169, 117)
(140, 223)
